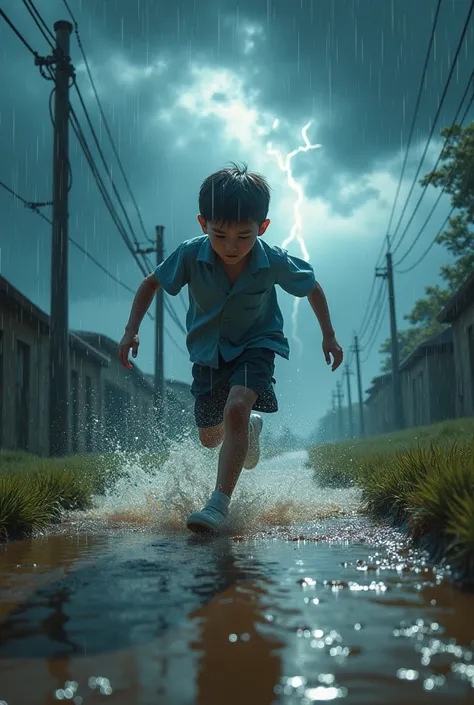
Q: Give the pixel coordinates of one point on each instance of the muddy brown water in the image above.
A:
(307, 601)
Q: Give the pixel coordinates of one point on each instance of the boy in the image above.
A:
(234, 323)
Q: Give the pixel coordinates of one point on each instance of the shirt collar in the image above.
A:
(258, 260)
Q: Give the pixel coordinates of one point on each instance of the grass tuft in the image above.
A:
(35, 491)
(423, 478)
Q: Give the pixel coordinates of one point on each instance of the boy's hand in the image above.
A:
(332, 347)
(129, 340)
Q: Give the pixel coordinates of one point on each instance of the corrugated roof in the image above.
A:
(104, 343)
(16, 300)
(457, 304)
(435, 343)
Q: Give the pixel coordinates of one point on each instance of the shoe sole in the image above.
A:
(253, 456)
(199, 526)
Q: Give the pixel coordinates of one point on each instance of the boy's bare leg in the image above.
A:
(236, 438)
(211, 436)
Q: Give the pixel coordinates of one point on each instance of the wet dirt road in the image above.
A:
(124, 606)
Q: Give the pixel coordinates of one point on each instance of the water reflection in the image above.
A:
(349, 613)
(236, 659)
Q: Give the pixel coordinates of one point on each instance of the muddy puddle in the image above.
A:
(307, 601)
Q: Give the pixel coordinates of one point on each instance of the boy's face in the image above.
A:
(232, 242)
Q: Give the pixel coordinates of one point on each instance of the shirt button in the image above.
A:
(222, 340)
(225, 320)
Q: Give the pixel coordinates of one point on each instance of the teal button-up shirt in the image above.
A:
(228, 319)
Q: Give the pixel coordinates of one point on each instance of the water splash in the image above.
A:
(279, 492)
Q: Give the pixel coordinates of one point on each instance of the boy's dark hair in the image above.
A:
(234, 195)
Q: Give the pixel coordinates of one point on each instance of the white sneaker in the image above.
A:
(255, 429)
(213, 518)
(208, 520)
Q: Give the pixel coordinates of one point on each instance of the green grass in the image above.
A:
(36, 491)
(421, 478)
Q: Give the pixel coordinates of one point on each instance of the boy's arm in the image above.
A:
(319, 304)
(141, 303)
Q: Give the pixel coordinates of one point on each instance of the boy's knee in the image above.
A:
(211, 437)
(236, 413)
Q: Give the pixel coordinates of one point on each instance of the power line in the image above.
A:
(376, 332)
(83, 143)
(102, 189)
(166, 302)
(17, 32)
(435, 120)
(451, 173)
(405, 271)
(373, 334)
(362, 331)
(107, 168)
(76, 244)
(415, 114)
(29, 205)
(115, 151)
(367, 317)
(106, 197)
(86, 63)
(40, 23)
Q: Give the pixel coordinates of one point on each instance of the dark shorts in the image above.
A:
(254, 369)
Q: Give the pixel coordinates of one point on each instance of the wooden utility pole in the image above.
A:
(160, 389)
(387, 273)
(339, 396)
(348, 374)
(159, 395)
(334, 416)
(59, 318)
(359, 387)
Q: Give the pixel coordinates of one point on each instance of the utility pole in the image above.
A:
(356, 350)
(387, 273)
(339, 396)
(333, 420)
(348, 373)
(160, 390)
(159, 396)
(59, 318)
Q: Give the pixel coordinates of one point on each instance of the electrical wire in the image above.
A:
(415, 114)
(435, 120)
(36, 16)
(450, 174)
(104, 119)
(168, 305)
(362, 331)
(40, 23)
(18, 33)
(382, 314)
(107, 168)
(405, 271)
(29, 205)
(102, 189)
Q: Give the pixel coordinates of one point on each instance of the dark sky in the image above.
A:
(191, 85)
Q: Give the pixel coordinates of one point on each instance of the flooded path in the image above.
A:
(124, 606)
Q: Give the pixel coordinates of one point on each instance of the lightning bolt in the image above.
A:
(284, 164)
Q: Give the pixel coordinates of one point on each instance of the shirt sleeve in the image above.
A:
(295, 275)
(173, 272)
